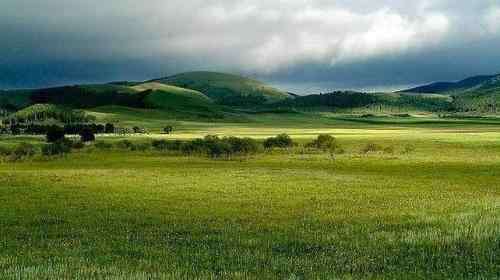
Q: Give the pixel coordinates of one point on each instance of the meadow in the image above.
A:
(426, 205)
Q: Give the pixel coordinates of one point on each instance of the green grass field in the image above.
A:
(432, 212)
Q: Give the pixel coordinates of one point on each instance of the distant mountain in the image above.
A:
(466, 85)
(480, 94)
(226, 89)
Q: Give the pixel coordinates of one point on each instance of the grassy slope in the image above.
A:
(477, 94)
(430, 214)
(15, 99)
(171, 97)
(39, 108)
(457, 87)
(219, 85)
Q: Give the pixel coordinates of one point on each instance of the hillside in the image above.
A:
(369, 102)
(227, 89)
(161, 96)
(47, 112)
(469, 84)
(479, 94)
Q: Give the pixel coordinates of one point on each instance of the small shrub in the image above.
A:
(4, 151)
(23, 150)
(408, 149)
(57, 148)
(242, 146)
(78, 145)
(168, 129)
(87, 135)
(124, 144)
(139, 130)
(370, 148)
(280, 141)
(324, 142)
(389, 150)
(109, 128)
(160, 145)
(175, 145)
(192, 147)
(141, 147)
(55, 133)
(101, 145)
(215, 147)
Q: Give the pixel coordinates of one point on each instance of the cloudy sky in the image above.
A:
(303, 45)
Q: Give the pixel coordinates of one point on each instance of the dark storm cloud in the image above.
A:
(342, 43)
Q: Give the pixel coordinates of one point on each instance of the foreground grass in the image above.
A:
(430, 214)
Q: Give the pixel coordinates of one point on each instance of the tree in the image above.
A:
(55, 133)
(109, 128)
(57, 148)
(280, 141)
(168, 129)
(324, 142)
(138, 130)
(87, 135)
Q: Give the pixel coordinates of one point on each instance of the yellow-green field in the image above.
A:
(429, 212)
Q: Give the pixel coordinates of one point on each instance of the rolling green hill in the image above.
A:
(13, 100)
(45, 112)
(369, 102)
(172, 98)
(217, 94)
(80, 96)
(479, 94)
(466, 85)
(227, 89)
(172, 93)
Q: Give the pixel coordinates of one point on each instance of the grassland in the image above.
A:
(429, 212)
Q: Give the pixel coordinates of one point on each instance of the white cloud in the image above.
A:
(493, 20)
(266, 37)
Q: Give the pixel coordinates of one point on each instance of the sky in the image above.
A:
(300, 45)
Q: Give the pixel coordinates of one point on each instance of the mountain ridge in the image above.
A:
(467, 84)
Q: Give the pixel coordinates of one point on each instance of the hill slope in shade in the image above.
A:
(469, 84)
(161, 96)
(225, 88)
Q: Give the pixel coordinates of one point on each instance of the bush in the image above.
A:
(109, 128)
(4, 151)
(192, 147)
(243, 146)
(78, 145)
(87, 135)
(55, 133)
(212, 146)
(280, 141)
(324, 142)
(57, 148)
(408, 149)
(370, 148)
(168, 129)
(23, 150)
(124, 144)
(216, 147)
(139, 130)
(160, 145)
(141, 147)
(103, 145)
(389, 150)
